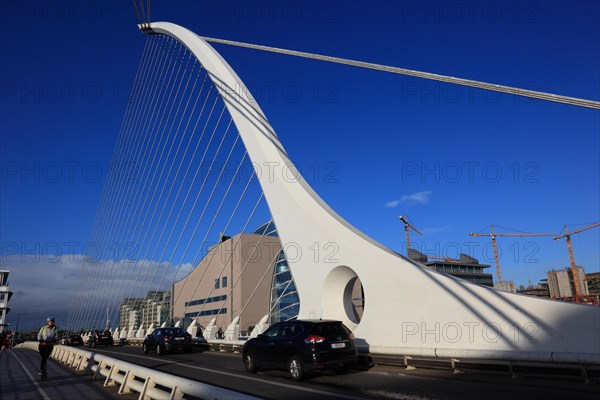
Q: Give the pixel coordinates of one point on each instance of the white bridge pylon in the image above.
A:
(409, 309)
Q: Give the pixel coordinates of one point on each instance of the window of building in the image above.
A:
(217, 283)
(224, 282)
(206, 300)
(219, 311)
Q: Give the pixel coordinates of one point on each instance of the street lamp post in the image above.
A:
(17, 326)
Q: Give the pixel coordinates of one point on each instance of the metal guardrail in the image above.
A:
(513, 368)
(149, 383)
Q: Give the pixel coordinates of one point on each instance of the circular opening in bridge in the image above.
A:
(343, 296)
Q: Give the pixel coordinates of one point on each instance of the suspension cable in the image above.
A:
(426, 75)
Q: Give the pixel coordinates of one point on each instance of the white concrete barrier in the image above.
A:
(149, 383)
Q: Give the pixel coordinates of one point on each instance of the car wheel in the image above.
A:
(250, 362)
(145, 348)
(159, 350)
(296, 368)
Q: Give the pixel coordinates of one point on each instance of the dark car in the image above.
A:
(200, 342)
(302, 347)
(99, 338)
(72, 340)
(167, 339)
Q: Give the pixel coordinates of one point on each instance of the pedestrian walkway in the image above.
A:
(19, 380)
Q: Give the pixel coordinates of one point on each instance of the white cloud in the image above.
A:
(392, 204)
(411, 199)
(46, 285)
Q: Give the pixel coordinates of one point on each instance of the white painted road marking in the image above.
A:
(37, 386)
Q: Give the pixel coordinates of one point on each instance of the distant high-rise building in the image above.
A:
(155, 308)
(150, 310)
(5, 295)
(466, 267)
(561, 283)
(129, 313)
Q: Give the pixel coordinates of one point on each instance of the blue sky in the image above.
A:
(373, 145)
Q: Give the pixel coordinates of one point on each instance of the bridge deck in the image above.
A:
(19, 379)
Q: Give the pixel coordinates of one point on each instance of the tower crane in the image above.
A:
(567, 235)
(493, 235)
(407, 227)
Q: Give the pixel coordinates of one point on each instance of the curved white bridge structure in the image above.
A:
(408, 309)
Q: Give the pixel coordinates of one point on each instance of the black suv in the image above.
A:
(167, 339)
(98, 338)
(301, 347)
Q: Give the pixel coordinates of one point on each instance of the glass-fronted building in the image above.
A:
(284, 301)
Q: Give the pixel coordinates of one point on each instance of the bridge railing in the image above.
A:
(149, 383)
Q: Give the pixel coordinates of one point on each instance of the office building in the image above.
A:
(5, 295)
(465, 267)
(153, 309)
(235, 278)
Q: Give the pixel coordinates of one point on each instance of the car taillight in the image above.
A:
(314, 339)
(167, 337)
(351, 336)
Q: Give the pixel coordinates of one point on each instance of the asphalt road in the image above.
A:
(19, 380)
(379, 382)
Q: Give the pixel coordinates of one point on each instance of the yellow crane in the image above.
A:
(567, 235)
(407, 227)
(493, 235)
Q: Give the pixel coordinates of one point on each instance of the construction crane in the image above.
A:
(567, 235)
(407, 227)
(493, 235)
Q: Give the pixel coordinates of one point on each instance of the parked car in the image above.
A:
(162, 340)
(99, 338)
(200, 342)
(302, 347)
(72, 340)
